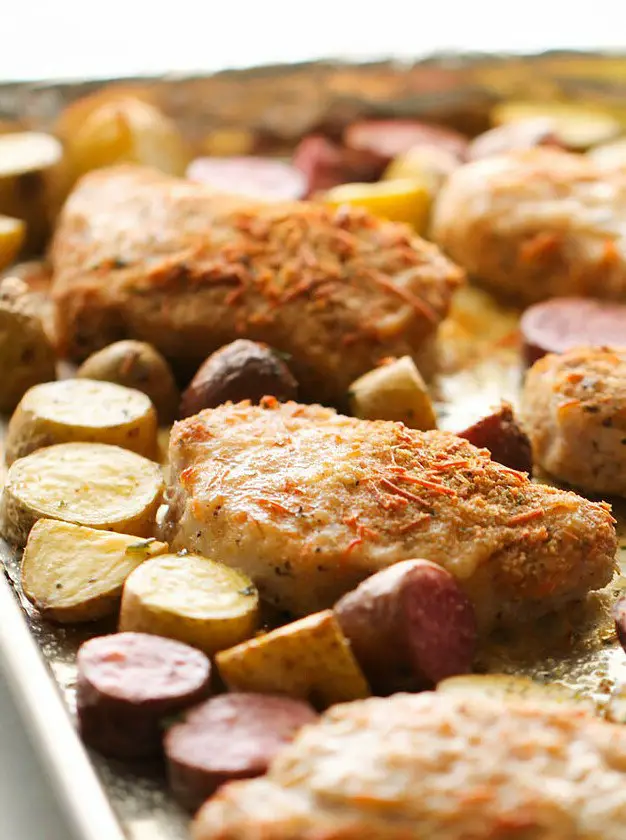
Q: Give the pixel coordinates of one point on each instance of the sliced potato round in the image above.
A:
(126, 130)
(576, 126)
(395, 391)
(89, 484)
(82, 410)
(400, 201)
(187, 597)
(12, 232)
(72, 573)
(511, 686)
(31, 181)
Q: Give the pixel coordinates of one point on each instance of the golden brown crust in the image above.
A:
(537, 224)
(309, 502)
(141, 255)
(435, 766)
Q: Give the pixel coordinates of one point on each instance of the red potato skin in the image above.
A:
(562, 324)
(233, 736)
(409, 626)
(326, 164)
(502, 435)
(127, 684)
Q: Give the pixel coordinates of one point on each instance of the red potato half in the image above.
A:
(501, 434)
(127, 684)
(409, 626)
(234, 736)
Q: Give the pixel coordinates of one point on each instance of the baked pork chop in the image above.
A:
(309, 503)
(140, 255)
(434, 767)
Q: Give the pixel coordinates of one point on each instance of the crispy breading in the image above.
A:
(574, 411)
(434, 767)
(537, 224)
(309, 502)
(140, 255)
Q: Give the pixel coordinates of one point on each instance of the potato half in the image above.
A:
(395, 391)
(72, 573)
(310, 659)
(82, 410)
(187, 597)
(91, 484)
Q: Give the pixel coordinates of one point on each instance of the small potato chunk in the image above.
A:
(136, 364)
(427, 165)
(89, 484)
(242, 370)
(26, 354)
(400, 201)
(82, 410)
(192, 599)
(394, 391)
(126, 130)
(508, 685)
(309, 659)
(72, 573)
(12, 232)
(575, 126)
(31, 182)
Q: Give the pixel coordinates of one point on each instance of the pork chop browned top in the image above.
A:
(140, 255)
(309, 502)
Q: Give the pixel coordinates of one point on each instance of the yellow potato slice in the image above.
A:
(91, 484)
(511, 686)
(31, 181)
(187, 597)
(427, 165)
(82, 410)
(72, 573)
(126, 130)
(395, 391)
(310, 659)
(577, 126)
(12, 232)
(400, 201)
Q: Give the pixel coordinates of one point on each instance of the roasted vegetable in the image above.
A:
(394, 391)
(72, 573)
(575, 126)
(192, 599)
(401, 201)
(502, 435)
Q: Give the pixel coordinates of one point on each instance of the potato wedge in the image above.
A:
(511, 686)
(82, 410)
(91, 484)
(394, 391)
(190, 598)
(126, 130)
(401, 201)
(577, 127)
(72, 573)
(26, 354)
(12, 233)
(136, 364)
(310, 659)
(32, 180)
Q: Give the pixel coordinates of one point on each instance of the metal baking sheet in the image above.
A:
(108, 800)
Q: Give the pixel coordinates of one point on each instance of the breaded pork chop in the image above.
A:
(309, 503)
(537, 224)
(140, 255)
(574, 411)
(434, 767)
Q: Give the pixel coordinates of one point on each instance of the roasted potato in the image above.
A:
(125, 130)
(136, 364)
(12, 232)
(394, 391)
(427, 165)
(190, 598)
(509, 685)
(26, 354)
(401, 201)
(502, 435)
(242, 370)
(575, 126)
(32, 182)
(82, 410)
(310, 659)
(72, 573)
(73, 116)
(91, 484)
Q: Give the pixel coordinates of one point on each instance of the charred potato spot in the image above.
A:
(136, 364)
(242, 370)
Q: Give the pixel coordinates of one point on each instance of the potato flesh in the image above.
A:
(90, 484)
(395, 391)
(72, 573)
(12, 232)
(508, 685)
(192, 599)
(576, 126)
(82, 410)
(309, 659)
(400, 201)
